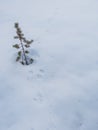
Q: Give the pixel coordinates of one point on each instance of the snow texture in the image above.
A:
(59, 90)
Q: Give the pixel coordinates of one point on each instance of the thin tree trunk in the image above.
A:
(24, 53)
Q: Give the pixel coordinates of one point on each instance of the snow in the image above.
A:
(59, 90)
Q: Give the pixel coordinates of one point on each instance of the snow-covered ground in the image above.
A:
(59, 90)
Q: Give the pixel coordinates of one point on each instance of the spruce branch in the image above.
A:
(24, 43)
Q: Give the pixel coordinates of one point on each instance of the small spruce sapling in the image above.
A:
(22, 55)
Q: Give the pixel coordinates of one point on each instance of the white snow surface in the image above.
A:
(59, 90)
